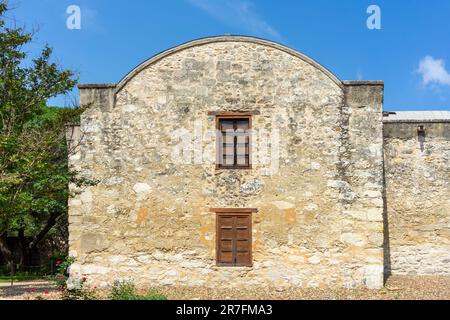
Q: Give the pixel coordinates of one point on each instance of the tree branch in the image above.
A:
(50, 223)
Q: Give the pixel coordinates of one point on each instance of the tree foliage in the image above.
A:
(34, 174)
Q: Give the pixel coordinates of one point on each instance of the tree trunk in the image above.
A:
(6, 251)
(25, 252)
(50, 223)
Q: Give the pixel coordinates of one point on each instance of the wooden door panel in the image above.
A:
(242, 234)
(242, 245)
(226, 245)
(243, 258)
(226, 221)
(234, 239)
(226, 257)
(242, 221)
(226, 234)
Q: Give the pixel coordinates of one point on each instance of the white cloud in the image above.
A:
(238, 13)
(433, 71)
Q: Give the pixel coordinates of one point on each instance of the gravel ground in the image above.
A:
(397, 288)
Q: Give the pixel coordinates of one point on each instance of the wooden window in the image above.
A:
(234, 237)
(233, 141)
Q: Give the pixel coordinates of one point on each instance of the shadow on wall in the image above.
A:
(421, 137)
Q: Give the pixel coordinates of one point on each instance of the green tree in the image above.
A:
(34, 173)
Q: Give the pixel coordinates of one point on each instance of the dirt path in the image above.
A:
(24, 290)
(397, 288)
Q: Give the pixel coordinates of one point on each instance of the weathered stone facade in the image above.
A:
(417, 173)
(317, 184)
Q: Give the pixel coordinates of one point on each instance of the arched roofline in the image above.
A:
(217, 39)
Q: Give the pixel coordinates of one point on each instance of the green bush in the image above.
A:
(126, 290)
(71, 288)
(52, 262)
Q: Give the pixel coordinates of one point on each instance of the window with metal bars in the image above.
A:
(233, 142)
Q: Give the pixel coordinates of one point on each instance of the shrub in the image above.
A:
(71, 288)
(51, 265)
(126, 290)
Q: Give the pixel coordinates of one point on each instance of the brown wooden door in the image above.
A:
(234, 239)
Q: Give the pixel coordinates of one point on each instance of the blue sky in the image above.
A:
(411, 52)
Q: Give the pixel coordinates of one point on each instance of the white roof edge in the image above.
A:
(416, 116)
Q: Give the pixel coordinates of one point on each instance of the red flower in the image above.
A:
(95, 287)
(33, 289)
(45, 292)
(58, 262)
(60, 278)
(84, 279)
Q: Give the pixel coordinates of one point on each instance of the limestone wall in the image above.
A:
(417, 198)
(318, 192)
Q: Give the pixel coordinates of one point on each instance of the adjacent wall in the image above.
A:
(417, 177)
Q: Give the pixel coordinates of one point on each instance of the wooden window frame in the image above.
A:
(232, 116)
(234, 212)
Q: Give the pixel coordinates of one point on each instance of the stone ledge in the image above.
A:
(96, 86)
(363, 82)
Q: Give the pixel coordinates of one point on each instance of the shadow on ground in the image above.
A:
(20, 288)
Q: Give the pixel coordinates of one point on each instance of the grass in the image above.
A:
(27, 274)
(21, 278)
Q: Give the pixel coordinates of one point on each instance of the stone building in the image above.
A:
(236, 161)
